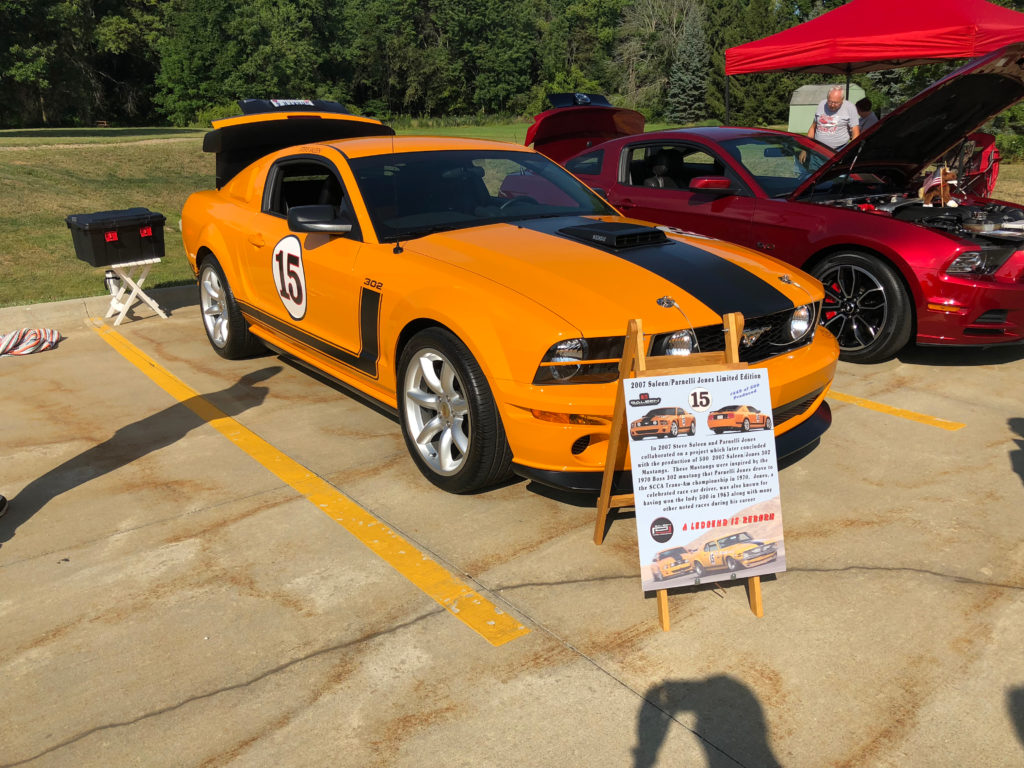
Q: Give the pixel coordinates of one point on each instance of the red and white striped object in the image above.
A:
(28, 340)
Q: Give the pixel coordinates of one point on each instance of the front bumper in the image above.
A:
(806, 432)
(960, 312)
(550, 450)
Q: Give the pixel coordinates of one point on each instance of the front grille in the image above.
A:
(793, 409)
(773, 341)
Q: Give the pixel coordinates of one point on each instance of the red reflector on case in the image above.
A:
(145, 231)
(111, 236)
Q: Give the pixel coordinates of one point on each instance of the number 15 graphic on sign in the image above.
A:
(289, 276)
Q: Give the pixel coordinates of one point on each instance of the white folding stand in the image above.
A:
(133, 274)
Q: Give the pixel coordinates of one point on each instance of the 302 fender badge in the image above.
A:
(289, 276)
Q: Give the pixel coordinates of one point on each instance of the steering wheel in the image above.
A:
(517, 201)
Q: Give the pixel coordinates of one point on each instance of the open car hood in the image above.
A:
(922, 130)
(267, 125)
(578, 121)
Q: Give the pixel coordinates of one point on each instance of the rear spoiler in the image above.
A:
(267, 125)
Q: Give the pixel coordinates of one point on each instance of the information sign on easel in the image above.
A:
(706, 495)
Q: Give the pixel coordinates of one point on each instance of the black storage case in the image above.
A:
(117, 237)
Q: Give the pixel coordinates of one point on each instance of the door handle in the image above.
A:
(627, 204)
(256, 238)
(764, 246)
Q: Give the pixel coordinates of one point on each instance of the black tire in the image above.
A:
(866, 306)
(767, 423)
(731, 564)
(674, 429)
(698, 569)
(657, 573)
(746, 426)
(693, 429)
(467, 450)
(226, 329)
(717, 431)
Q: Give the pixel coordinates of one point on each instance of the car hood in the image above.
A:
(598, 289)
(923, 129)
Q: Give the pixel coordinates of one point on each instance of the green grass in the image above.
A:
(48, 175)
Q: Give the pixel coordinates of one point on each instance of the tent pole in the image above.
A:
(727, 100)
(847, 82)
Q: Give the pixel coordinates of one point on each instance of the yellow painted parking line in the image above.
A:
(460, 600)
(931, 421)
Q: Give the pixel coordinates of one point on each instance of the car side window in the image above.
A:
(587, 165)
(671, 166)
(306, 182)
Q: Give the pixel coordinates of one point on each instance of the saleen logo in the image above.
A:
(644, 399)
(751, 335)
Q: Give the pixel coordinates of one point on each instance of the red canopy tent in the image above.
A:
(866, 35)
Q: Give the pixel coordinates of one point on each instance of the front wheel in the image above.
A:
(866, 306)
(675, 429)
(226, 329)
(451, 425)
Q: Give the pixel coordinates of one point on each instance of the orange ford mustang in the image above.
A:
(474, 287)
(662, 422)
(741, 417)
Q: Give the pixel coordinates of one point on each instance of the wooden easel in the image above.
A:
(636, 364)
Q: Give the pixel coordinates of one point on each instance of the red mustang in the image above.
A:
(894, 267)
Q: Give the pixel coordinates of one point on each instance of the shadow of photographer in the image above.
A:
(730, 722)
(1017, 456)
(132, 442)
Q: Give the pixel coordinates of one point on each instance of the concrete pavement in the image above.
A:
(167, 600)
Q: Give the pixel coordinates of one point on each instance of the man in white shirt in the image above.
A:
(836, 122)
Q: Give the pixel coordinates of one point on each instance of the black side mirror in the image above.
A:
(318, 218)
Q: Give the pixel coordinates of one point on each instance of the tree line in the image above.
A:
(183, 62)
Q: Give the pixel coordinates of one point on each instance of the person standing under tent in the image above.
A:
(836, 122)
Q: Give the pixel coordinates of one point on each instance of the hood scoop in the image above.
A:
(614, 235)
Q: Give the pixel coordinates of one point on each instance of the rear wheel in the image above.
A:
(866, 306)
(693, 429)
(451, 425)
(226, 329)
(767, 423)
(746, 425)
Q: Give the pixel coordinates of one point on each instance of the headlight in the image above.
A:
(581, 361)
(679, 343)
(800, 322)
(567, 351)
(976, 263)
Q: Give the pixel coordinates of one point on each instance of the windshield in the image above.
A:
(660, 412)
(736, 538)
(778, 162)
(412, 194)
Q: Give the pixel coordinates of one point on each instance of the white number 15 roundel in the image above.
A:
(289, 277)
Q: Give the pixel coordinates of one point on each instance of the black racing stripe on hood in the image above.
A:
(716, 282)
